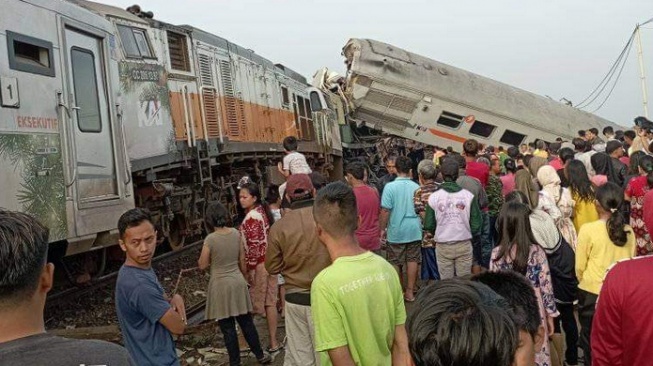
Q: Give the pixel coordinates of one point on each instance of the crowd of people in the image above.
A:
(502, 254)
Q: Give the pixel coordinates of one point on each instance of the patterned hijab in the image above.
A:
(550, 181)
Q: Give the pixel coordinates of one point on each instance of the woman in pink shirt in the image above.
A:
(508, 179)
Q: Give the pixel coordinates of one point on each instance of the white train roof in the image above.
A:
(423, 75)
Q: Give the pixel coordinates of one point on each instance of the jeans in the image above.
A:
(487, 244)
(494, 233)
(567, 321)
(586, 309)
(228, 328)
(482, 243)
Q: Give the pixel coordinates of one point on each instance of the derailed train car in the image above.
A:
(104, 109)
(404, 94)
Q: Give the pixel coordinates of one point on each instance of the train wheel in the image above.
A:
(176, 238)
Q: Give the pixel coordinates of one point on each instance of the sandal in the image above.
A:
(271, 350)
(266, 359)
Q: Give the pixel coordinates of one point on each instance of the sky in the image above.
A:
(553, 48)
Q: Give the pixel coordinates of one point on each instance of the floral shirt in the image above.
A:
(539, 275)
(255, 228)
(636, 189)
(494, 192)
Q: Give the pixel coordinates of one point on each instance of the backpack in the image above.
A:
(562, 263)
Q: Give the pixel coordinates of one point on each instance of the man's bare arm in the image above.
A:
(341, 357)
(400, 352)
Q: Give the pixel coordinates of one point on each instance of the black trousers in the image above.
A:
(586, 309)
(567, 321)
(228, 328)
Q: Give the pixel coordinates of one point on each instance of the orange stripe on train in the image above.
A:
(446, 135)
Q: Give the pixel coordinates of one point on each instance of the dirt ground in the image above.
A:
(207, 347)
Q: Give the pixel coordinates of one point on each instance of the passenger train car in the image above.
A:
(408, 95)
(104, 109)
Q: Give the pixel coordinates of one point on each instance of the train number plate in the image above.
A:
(9, 95)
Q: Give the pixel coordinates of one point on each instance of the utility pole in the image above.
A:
(642, 73)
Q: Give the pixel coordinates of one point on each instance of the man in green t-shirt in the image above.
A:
(357, 302)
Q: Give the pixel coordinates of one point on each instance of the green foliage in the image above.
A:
(42, 191)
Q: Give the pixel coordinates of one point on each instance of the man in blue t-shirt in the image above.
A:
(404, 228)
(147, 317)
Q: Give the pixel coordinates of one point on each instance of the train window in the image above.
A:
(308, 109)
(450, 120)
(284, 96)
(512, 138)
(29, 54)
(178, 49)
(482, 129)
(301, 105)
(316, 101)
(141, 42)
(135, 42)
(86, 90)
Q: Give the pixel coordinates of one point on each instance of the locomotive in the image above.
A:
(105, 109)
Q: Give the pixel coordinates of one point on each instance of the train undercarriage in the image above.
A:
(178, 192)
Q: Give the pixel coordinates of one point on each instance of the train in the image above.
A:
(105, 109)
(404, 94)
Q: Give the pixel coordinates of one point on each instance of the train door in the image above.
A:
(94, 152)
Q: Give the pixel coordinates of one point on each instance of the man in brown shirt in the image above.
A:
(295, 252)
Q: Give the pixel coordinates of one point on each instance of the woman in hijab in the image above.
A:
(535, 164)
(602, 164)
(550, 181)
(524, 183)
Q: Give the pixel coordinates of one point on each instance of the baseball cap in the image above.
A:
(298, 185)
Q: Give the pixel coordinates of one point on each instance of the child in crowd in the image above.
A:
(293, 163)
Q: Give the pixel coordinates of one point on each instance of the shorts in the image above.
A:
(263, 290)
(400, 254)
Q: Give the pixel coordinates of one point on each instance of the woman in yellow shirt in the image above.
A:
(600, 244)
(582, 192)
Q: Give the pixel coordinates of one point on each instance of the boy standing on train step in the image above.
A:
(26, 277)
(147, 318)
(293, 163)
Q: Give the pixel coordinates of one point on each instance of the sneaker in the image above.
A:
(266, 359)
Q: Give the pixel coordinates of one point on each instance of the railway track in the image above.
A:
(74, 292)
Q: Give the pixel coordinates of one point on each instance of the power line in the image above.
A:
(616, 80)
(606, 79)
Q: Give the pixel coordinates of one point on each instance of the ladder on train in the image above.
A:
(204, 164)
